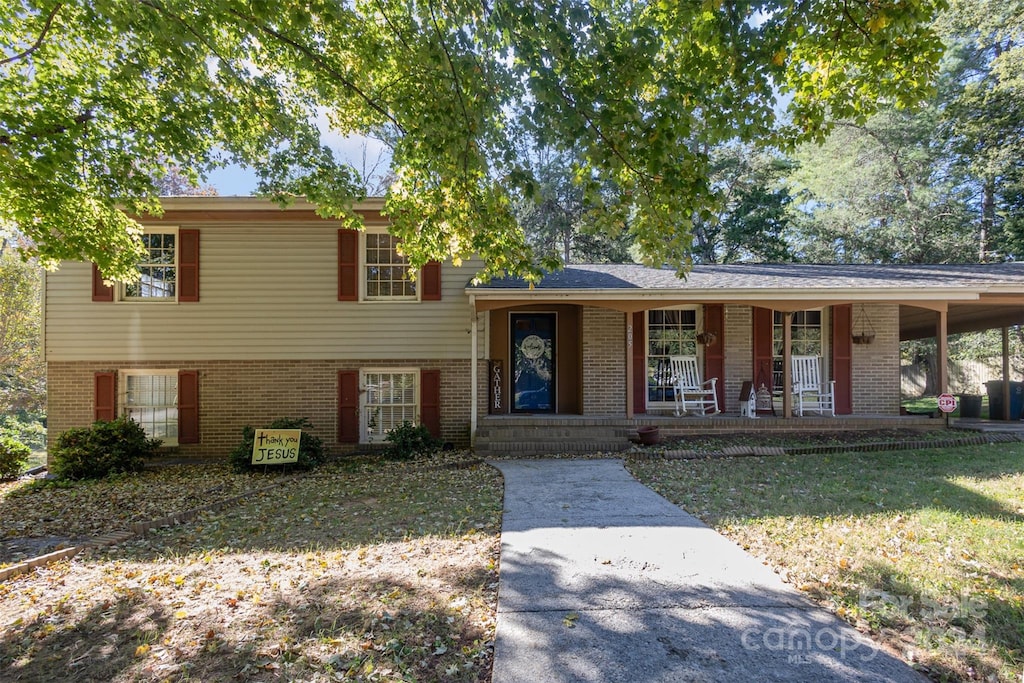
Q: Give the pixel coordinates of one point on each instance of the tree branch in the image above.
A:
(319, 61)
(458, 87)
(39, 41)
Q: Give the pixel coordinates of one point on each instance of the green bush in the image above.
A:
(311, 448)
(28, 428)
(120, 445)
(13, 457)
(408, 440)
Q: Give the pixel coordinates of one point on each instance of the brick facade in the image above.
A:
(233, 394)
(604, 361)
(876, 366)
(739, 354)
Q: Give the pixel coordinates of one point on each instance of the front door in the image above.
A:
(533, 362)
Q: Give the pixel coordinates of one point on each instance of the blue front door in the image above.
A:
(533, 362)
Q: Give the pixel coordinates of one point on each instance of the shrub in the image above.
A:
(408, 440)
(120, 445)
(311, 448)
(13, 457)
(28, 428)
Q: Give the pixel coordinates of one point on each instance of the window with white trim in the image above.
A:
(150, 397)
(386, 272)
(158, 271)
(389, 398)
(670, 332)
(807, 339)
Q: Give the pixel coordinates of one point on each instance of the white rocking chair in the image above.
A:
(809, 391)
(691, 393)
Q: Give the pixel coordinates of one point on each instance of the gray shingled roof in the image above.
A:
(772, 277)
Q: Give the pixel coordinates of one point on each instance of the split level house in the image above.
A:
(245, 312)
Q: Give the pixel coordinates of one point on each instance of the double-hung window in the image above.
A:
(150, 397)
(807, 339)
(386, 272)
(390, 398)
(371, 267)
(670, 332)
(158, 271)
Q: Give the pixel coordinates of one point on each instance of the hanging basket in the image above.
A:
(867, 330)
(707, 338)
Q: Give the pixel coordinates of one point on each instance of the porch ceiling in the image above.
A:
(919, 323)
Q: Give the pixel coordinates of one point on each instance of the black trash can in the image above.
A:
(970, 405)
(995, 399)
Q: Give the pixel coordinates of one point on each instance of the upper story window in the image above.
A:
(371, 269)
(158, 271)
(168, 272)
(386, 272)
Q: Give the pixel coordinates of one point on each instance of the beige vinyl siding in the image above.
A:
(267, 291)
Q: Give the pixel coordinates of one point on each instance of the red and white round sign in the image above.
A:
(947, 403)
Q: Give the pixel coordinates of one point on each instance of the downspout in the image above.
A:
(473, 374)
(42, 321)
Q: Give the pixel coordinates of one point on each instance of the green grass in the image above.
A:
(924, 549)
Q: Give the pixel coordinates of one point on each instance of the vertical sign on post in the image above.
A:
(947, 404)
(494, 372)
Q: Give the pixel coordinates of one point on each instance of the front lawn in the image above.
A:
(362, 570)
(923, 549)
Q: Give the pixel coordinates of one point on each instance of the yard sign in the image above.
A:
(276, 446)
(947, 403)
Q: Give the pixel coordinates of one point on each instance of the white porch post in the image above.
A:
(473, 374)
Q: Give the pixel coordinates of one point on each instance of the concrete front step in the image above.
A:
(541, 433)
(521, 448)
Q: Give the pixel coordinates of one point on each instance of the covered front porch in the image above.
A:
(593, 342)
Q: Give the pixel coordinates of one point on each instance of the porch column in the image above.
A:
(787, 363)
(629, 366)
(1006, 372)
(473, 374)
(942, 352)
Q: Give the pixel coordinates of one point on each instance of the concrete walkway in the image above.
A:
(604, 580)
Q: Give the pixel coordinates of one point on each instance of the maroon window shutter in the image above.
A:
(714, 353)
(842, 357)
(640, 362)
(348, 268)
(104, 396)
(430, 401)
(430, 276)
(188, 406)
(348, 406)
(100, 291)
(763, 352)
(188, 265)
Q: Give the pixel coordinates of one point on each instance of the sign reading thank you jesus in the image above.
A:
(276, 446)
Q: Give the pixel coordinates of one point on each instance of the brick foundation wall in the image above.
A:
(604, 362)
(876, 366)
(233, 394)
